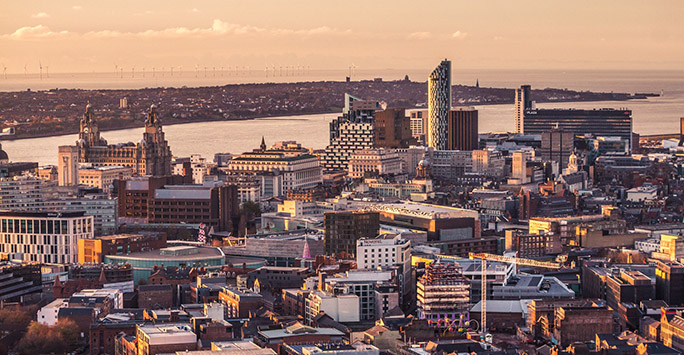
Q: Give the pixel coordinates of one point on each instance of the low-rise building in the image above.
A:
(342, 308)
(374, 162)
(155, 339)
(240, 302)
(102, 177)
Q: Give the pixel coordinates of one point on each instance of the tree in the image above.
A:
(43, 339)
(251, 208)
(68, 330)
(14, 319)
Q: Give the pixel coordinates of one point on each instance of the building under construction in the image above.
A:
(443, 293)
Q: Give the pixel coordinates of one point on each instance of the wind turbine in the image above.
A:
(205, 71)
(4, 71)
(172, 70)
(40, 65)
(153, 72)
(196, 70)
(116, 69)
(143, 72)
(162, 71)
(121, 72)
(133, 72)
(47, 71)
(214, 71)
(25, 71)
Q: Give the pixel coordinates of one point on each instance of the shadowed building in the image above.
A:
(393, 129)
(344, 228)
(462, 129)
(522, 102)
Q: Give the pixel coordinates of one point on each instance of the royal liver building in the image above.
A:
(150, 156)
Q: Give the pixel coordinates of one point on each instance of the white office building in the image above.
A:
(46, 237)
(383, 251)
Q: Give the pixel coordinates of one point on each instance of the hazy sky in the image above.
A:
(85, 36)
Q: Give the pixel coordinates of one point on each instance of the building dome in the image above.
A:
(423, 162)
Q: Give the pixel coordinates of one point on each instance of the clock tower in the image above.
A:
(156, 152)
(89, 134)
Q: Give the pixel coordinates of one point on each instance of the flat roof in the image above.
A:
(433, 211)
(202, 253)
(170, 333)
(18, 213)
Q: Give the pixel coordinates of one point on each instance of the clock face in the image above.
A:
(85, 130)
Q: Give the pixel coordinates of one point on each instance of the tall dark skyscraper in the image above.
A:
(344, 228)
(523, 102)
(439, 104)
(462, 129)
(557, 145)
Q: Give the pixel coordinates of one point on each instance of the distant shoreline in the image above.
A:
(407, 94)
(204, 120)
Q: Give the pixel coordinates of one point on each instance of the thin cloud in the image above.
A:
(76, 8)
(459, 35)
(420, 35)
(38, 31)
(217, 28)
(40, 15)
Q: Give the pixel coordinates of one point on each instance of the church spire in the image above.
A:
(263, 144)
(307, 252)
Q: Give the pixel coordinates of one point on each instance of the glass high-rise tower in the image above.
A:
(439, 103)
(522, 102)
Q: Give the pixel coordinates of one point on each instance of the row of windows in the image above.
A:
(42, 226)
(35, 239)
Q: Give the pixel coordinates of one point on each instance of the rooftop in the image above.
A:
(202, 253)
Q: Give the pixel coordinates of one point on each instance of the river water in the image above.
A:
(651, 116)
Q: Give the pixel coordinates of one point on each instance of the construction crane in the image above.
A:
(503, 259)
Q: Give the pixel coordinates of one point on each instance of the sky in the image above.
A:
(99, 36)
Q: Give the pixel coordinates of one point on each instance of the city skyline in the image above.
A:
(72, 36)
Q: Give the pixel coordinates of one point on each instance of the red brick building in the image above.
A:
(155, 296)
